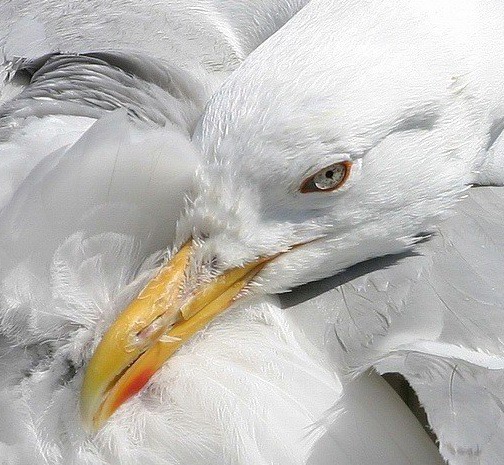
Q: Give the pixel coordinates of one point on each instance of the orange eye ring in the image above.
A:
(328, 179)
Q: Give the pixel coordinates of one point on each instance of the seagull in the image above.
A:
(93, 128)
(384, 139)
(309, 167)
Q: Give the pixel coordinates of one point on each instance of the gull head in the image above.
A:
(313, 202)
(305, 173)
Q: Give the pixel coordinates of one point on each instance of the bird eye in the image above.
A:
(328, 179)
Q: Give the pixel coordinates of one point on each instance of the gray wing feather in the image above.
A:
(91, 84)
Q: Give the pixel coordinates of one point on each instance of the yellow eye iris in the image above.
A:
(328, 179)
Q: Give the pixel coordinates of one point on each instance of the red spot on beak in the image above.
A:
(136, 385)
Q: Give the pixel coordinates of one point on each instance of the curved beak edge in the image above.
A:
(150, 330)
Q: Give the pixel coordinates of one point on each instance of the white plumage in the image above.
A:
(417, 106)
(248, 390)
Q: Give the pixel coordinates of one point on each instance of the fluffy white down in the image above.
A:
(244, 391)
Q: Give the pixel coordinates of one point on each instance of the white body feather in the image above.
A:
(435, 316)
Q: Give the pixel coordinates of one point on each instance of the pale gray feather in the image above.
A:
(435, 315)
(90, 84)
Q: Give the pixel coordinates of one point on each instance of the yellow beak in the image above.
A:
(150, 330)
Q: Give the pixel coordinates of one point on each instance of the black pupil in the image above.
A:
(329, 174)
